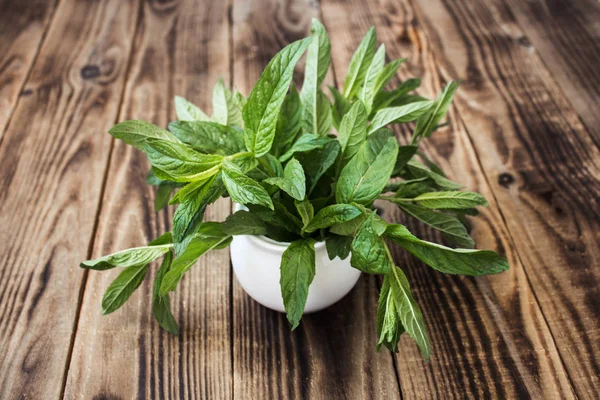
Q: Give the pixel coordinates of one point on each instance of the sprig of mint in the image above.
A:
(277, 154)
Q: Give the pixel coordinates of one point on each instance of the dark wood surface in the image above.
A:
(523, 131)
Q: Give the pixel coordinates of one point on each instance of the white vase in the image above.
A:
(256, 261)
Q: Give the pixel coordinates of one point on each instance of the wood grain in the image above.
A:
(53, 159)
(182, 49)
(566, 34)
(331, 355)
(23, 25)
(542, 166)
(475, 353)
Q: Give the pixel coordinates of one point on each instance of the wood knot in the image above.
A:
(524, 41)
(90, 72)
(505, 179)
(27, 92)
(379, 211)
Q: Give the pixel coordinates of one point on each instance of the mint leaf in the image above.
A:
(338, 246)
(387, 99)
(340, 107)
(297, 273)
(161, 305)
(121, 288)
(445, 259)
(305, 142)
(293, 181)
(317, 162)
(316, 110)
(366, 92)
(135, 133)
(405, 154)
(209, 236)
(179, 162)
(427, 123)
(288, 124)
(450, 200)
(186, 111)
(360, 63)
(305, 210)
(127, 258)
(366, 174)
(353, 131)
(389, 326)
(369, 252)
(208, 137)
(264, 103)
(336, 213)
(450, 226)
(244, 223)
(163, 194)
(226, 110)
(415, 170)
(408, 311)
(244, 190)
(407, 113)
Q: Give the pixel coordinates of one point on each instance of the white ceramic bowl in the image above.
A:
(256, 260)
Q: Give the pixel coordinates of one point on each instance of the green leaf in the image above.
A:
(449, 225)
(405, 154)
(366, 92)
(190, 212)
(451, 200)
(416, 170)
(305, 210)
(226, 110)
(338, 246)
(336, 213)
(340, 107)
(350, 228)
(244, 223)
(407, 113)
(317, 162)
(410, 188)
(186, 111)
(297, 273)
(163, 194)
(121, 288)
(387, 99)
(316, 110)
(128, 258)
(366, 174)
(360, 63)
(353, 131)
(161, 305)
(264, 103)
(408, 311)
(209, 236)
(445, 259)
(293, 181)
(369, 251)
(179, 162)
(208, 137)
(135, 133)
(427, 123)
(289, 123)
(244, 190)
(305, 142)
(389, 326)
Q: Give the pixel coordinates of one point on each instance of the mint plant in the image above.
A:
(276, 153)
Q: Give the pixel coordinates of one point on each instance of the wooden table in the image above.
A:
(524, 131)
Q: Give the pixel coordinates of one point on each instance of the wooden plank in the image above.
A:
(181, 49)
(566, 34)
(542, 166)
(52, 164)
(331, 355)
(488, 334)
(23, 25)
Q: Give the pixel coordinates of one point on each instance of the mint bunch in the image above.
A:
(276, 153)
